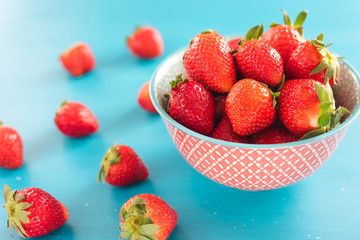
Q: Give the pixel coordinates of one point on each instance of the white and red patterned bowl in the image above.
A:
(253, 167)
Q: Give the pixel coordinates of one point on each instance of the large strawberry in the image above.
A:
(209, 61)
(285, 38)
(250, 107)
(32, 212)
(78, 59)
(224, 131)
(146, 216)
(146, 42)
(307, 108)
(122, 166)
(274, 134)
(192, 105)
(75, 119)
(11, 148)
(312, 60)
(258, 60)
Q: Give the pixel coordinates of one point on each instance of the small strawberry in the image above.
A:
(312, 60)
(209, 61)
(78, 59)
(258, 60)
(250, 107)
(146, 216)
(234, 43)
(192, 105)
(75, 120)
(285, 38)
(274, 134)
(224, 131)
(146, 42)
(307, 108)
(122, 166)
(32, 212)
(144, 98)
(11, 148)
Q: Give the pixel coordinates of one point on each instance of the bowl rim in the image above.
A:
(192, 133)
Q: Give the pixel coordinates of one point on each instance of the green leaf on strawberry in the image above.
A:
(255, 32)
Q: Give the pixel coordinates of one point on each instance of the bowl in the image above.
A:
(254, 167)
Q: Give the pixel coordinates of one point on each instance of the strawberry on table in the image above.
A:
(312, 60)
(122, 166)
(258, 60)
(144, 100)
(32, 212)
(250, 107)
(75, 120)
(78, 59)
(147, 216)
(285, 38)
(208, 60)
(274, 134)
(224, 131)
(146, 42)
(307, 108)
(192, 105)
(11, 148)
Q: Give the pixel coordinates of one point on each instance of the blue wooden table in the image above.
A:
(326, 205)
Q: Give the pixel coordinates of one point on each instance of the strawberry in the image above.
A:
(224, 131)
(75, 120)
(144, 98)
(192, 105)
(274, 134)
(146, 42)
(220, 100)
(32, 212)
(78, 59)
(122, 166)
(312, 60)
(258, 60)
(146, 216)
(208, 60)
(307, 108)
(11, 148)
(234, 43)
(285, 38)
(250, 107)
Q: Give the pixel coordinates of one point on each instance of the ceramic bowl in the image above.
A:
(253, 167)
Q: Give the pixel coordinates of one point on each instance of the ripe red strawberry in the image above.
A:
(312, 60)
(122, 166)
(285, 38)
(220, 100)
(224, 131)
(32, 212)
(11, 148)
(144, 98)
(78, 59)
(146, 216)
(192, 105)
(75, 120)
(250, 107)
(209, 61)
(234, 43)
(274, 134)
(258, 60)
(146, 42)
(307, 108)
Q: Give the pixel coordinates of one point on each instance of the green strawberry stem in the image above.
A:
(255, 32)
(300, 19)
(137, 225)
(329, 117)
(1, 123)
(178, 79)
(111, 158)
(329, 62)
(16, 211)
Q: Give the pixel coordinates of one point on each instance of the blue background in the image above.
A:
(326, 205)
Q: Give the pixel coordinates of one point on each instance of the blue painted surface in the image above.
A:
(33, 83)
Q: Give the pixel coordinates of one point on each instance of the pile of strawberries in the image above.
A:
(265, 89)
